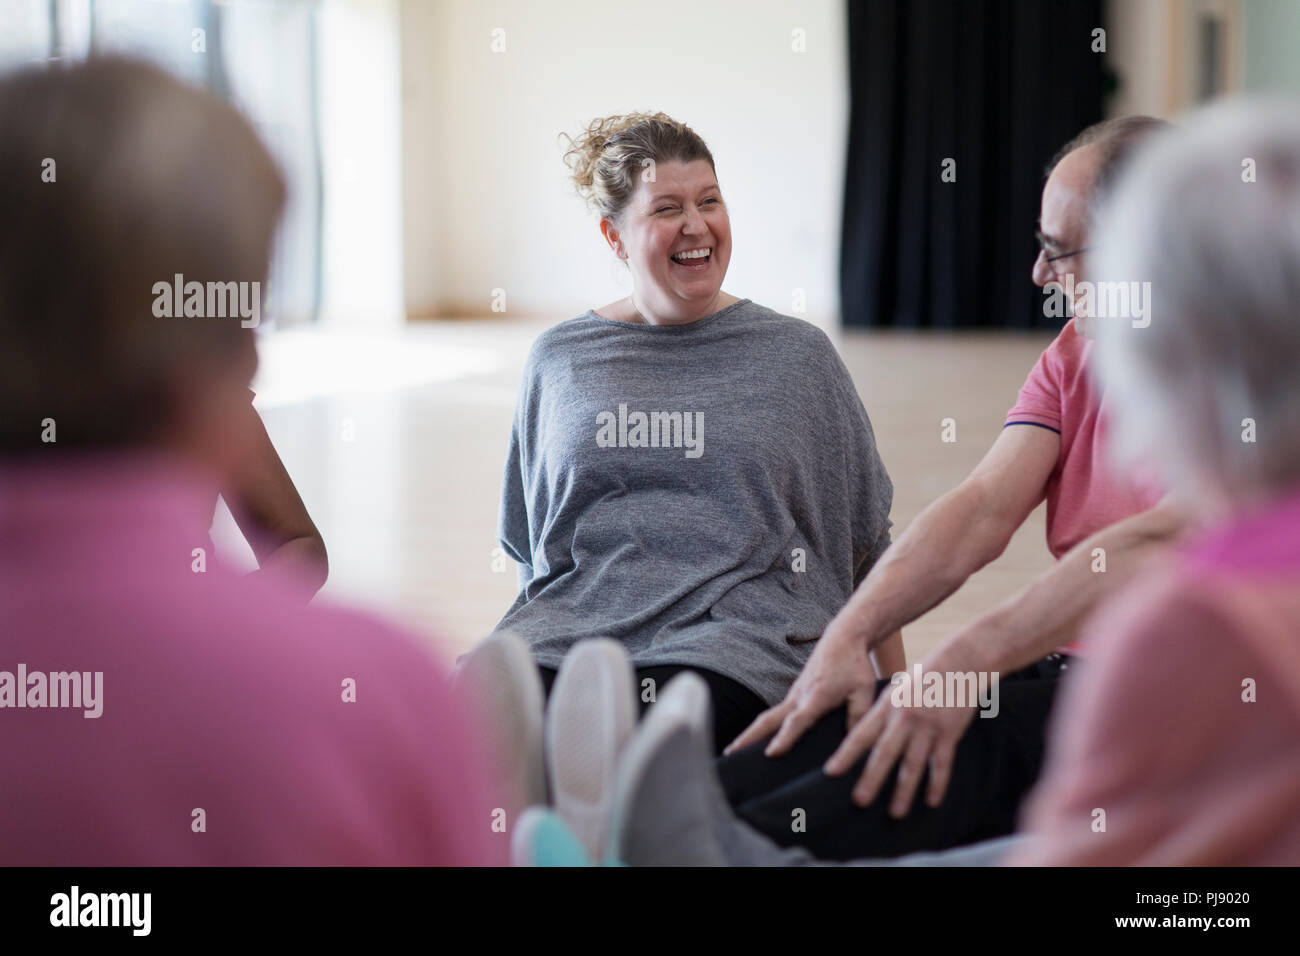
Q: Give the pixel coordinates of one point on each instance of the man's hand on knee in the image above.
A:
(915, 738)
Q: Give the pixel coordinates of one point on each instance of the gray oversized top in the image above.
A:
(708, 494)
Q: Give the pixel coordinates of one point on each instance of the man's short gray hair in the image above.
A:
(1209, 391)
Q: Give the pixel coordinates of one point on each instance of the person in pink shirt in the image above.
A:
(1178, 744)
(1083, 494)
(155, 707)
(838, 742)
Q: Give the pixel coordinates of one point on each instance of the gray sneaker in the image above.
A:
(668, 807)
(667, 802)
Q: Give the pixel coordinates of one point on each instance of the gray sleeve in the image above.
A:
(871, 488)
(512, 524)
(869, 561)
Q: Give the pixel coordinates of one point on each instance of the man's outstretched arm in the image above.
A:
(1048, 611)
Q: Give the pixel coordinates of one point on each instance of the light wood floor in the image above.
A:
(397, 443)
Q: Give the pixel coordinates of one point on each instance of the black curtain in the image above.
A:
(997, 85)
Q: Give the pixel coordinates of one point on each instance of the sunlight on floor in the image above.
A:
(298, 365)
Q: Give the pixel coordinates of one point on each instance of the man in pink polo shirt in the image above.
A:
(1050, 447)
(156, 708)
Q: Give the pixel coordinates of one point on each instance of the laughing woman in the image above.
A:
(690, 473)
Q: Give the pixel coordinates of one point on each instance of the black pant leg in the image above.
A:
(748, 774)
(548, 675)
(996, 763)
(734, 705)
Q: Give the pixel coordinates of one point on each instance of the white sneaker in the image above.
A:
(591, 715)
(498, 683)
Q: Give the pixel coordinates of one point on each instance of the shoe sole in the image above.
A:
(591, 716)
(499, 681)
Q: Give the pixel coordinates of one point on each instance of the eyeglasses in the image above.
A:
(1043, 246)
(1066, 255)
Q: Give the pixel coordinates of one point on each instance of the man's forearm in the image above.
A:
(1048, 611)
(947, 543)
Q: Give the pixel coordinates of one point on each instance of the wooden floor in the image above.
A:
(397, 443)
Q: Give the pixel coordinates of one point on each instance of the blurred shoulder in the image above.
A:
(261, 619)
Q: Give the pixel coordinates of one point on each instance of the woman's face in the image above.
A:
(680, 212)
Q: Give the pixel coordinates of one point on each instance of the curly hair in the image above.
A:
(607, 157)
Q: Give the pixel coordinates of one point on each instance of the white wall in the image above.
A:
(487, 204)
(361, 140)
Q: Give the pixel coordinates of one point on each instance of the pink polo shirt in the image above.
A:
(224, 736)
(1083, 495)
(1183, 725)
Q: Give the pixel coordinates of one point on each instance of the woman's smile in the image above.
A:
(694, 259)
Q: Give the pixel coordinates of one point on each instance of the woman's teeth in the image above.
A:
(692, 257)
